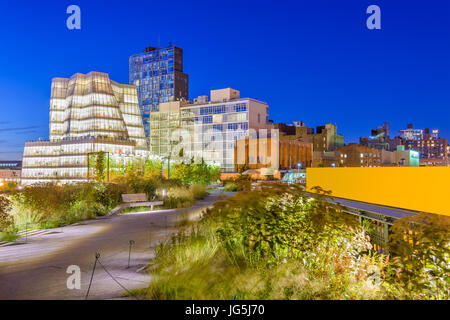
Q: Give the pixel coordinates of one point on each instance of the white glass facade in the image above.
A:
(89, 113)
(214, 127)
(92, 105)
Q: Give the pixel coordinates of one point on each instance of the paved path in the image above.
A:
(37, 269)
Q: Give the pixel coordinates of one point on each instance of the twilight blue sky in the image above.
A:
(309, 60)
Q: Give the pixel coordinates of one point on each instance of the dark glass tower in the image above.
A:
(158, 76)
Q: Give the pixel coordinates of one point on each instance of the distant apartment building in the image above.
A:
(432, 149)
(324, 138)
(89, 113)
(277, 154)
(380, 139)
(429, 145)
(207, 129)
(158, 75)
(324, 159)
(416, 134)
(400, 157)
(10, 171)
(434, 162)
(355, 155)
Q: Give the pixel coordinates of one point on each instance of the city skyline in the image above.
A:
(347, 75)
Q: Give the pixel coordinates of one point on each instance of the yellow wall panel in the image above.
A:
(424, 189)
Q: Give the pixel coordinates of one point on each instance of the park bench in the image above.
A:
(139, 200)
(135, 200)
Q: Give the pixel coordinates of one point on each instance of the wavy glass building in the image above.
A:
(158, 75)
(89, 113)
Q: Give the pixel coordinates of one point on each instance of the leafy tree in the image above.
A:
(153, 168)
(6, 220)
(243, 168)
(99, 167)
(198, 173)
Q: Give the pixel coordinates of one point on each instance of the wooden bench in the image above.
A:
(135, 200)
(134, 197)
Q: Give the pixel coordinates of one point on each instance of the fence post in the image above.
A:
(129, 253)
(386, 236)
(97, 255)
(150, 234)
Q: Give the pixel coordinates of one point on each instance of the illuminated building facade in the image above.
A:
(430, 146)
(324, 139)
(92, 105)
(158, 75)
(380, 139)
(355, 155)
(10, 171)
(207, 129)
(410, 133)
(215, 126)
(89, 113)
(163, 124)
(278, 154)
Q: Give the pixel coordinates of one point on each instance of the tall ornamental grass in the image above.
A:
(50, 205)
(275, 243)
(278, 243)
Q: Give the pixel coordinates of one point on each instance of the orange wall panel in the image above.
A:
(424, 189)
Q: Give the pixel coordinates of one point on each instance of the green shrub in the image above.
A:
(420, 268)
(50, 205)
(279, 222)
(7, 228)
(178, 197)
(277, 243)
(9, 186)
(83, 210)
(5, 219)
(196, 173)
(135, 209)
(230, 187)
(198, 191)
(270, 244)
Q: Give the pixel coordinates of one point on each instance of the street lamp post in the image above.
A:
(168, 168)
(171, 144)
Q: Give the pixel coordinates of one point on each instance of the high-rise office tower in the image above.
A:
(158, 75)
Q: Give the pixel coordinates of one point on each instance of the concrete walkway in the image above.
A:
(37, 269)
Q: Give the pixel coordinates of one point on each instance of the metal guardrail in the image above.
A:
(377, 218)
